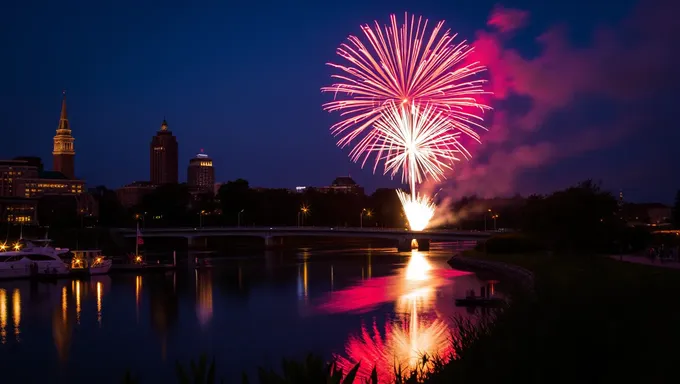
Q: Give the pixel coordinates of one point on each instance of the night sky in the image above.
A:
(582, 89)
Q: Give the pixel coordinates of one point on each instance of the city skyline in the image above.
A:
(209, 107)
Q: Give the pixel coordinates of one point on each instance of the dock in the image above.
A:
(142, 267)
(487, 297)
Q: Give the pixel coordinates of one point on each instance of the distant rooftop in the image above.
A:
(344, 181)
(52, 175)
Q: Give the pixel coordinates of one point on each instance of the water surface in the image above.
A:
(368, 305)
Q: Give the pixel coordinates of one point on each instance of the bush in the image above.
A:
(508, 243)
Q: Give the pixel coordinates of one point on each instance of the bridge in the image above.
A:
(273, 236)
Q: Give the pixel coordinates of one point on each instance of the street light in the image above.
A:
(304, 210)
(200, 218)
(239, 218)
(494, 217)
(485, 213)
(368, 214)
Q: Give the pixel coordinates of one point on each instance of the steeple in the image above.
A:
(164, 125)
(63, 118)
(63, 151)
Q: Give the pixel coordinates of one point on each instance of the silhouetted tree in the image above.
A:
(168, 204)
(676, 210)
(111, 212)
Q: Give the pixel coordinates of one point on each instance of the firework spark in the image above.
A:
(415, 141)
(410, 95)
(405, 64)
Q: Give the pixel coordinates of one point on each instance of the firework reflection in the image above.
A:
(416, 331)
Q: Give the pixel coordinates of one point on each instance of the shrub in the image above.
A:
(511, 243)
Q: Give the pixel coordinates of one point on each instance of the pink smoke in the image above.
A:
(624, 64)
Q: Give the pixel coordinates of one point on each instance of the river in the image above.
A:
(247, 312)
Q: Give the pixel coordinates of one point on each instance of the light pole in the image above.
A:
(366, 212)
(495, 216)
(303, 212)
(485, 213)
(238, 219)
(200, 218)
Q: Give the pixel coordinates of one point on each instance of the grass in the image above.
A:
(592, 320)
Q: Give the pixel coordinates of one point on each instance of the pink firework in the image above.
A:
(405, 64)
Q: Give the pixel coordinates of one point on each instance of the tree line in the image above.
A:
(581, 215)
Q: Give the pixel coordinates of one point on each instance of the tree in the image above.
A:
(676, 210)
(167, 205)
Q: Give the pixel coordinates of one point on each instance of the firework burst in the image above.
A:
(403, 63)
(406, 96)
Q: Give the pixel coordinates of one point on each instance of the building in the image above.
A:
(163, 161)
(201, 174)
(18, 210)
(63, 153)
(11, 170)
(647, 214)
(132, 194)
(48, 183)
(342, 184)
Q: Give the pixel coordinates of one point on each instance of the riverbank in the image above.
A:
(593, 319)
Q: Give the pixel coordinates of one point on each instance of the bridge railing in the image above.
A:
(308, 229)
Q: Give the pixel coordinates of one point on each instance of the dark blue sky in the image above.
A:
(243, 81)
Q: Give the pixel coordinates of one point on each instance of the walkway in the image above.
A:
(647, 261)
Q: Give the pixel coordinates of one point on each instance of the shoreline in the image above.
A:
(516, 276)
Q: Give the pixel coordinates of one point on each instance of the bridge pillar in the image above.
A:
(271, 242)
(423, 245)
(404, 245)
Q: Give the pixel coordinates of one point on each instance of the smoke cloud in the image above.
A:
(625, 66)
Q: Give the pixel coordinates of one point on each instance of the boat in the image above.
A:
(90, 262)
(33, 258)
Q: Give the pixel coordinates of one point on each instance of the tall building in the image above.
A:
(63, 154)
(163, 157)
(200, 173)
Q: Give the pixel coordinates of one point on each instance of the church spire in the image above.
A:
(63, 118)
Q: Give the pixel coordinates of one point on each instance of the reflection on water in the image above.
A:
(204, 297)
(16, 312)
(138, 294)
(303, 278)
(284, 306)
(417, 329)
(99, 303)
(3, 316)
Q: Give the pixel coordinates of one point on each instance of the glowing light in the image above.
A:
(78, 301)
(99, 303)
(418, 267)
(17, 246)
(3, 247)
(3, 316)
(419, 209)
(16, 312)
(410, 94)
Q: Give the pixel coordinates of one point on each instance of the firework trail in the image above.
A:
(404, 64)
(406, 96)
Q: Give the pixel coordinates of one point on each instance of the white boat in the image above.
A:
(90, 262)
(35, 257)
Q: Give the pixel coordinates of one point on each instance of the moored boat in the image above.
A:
(90, 262)
(33, 258)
